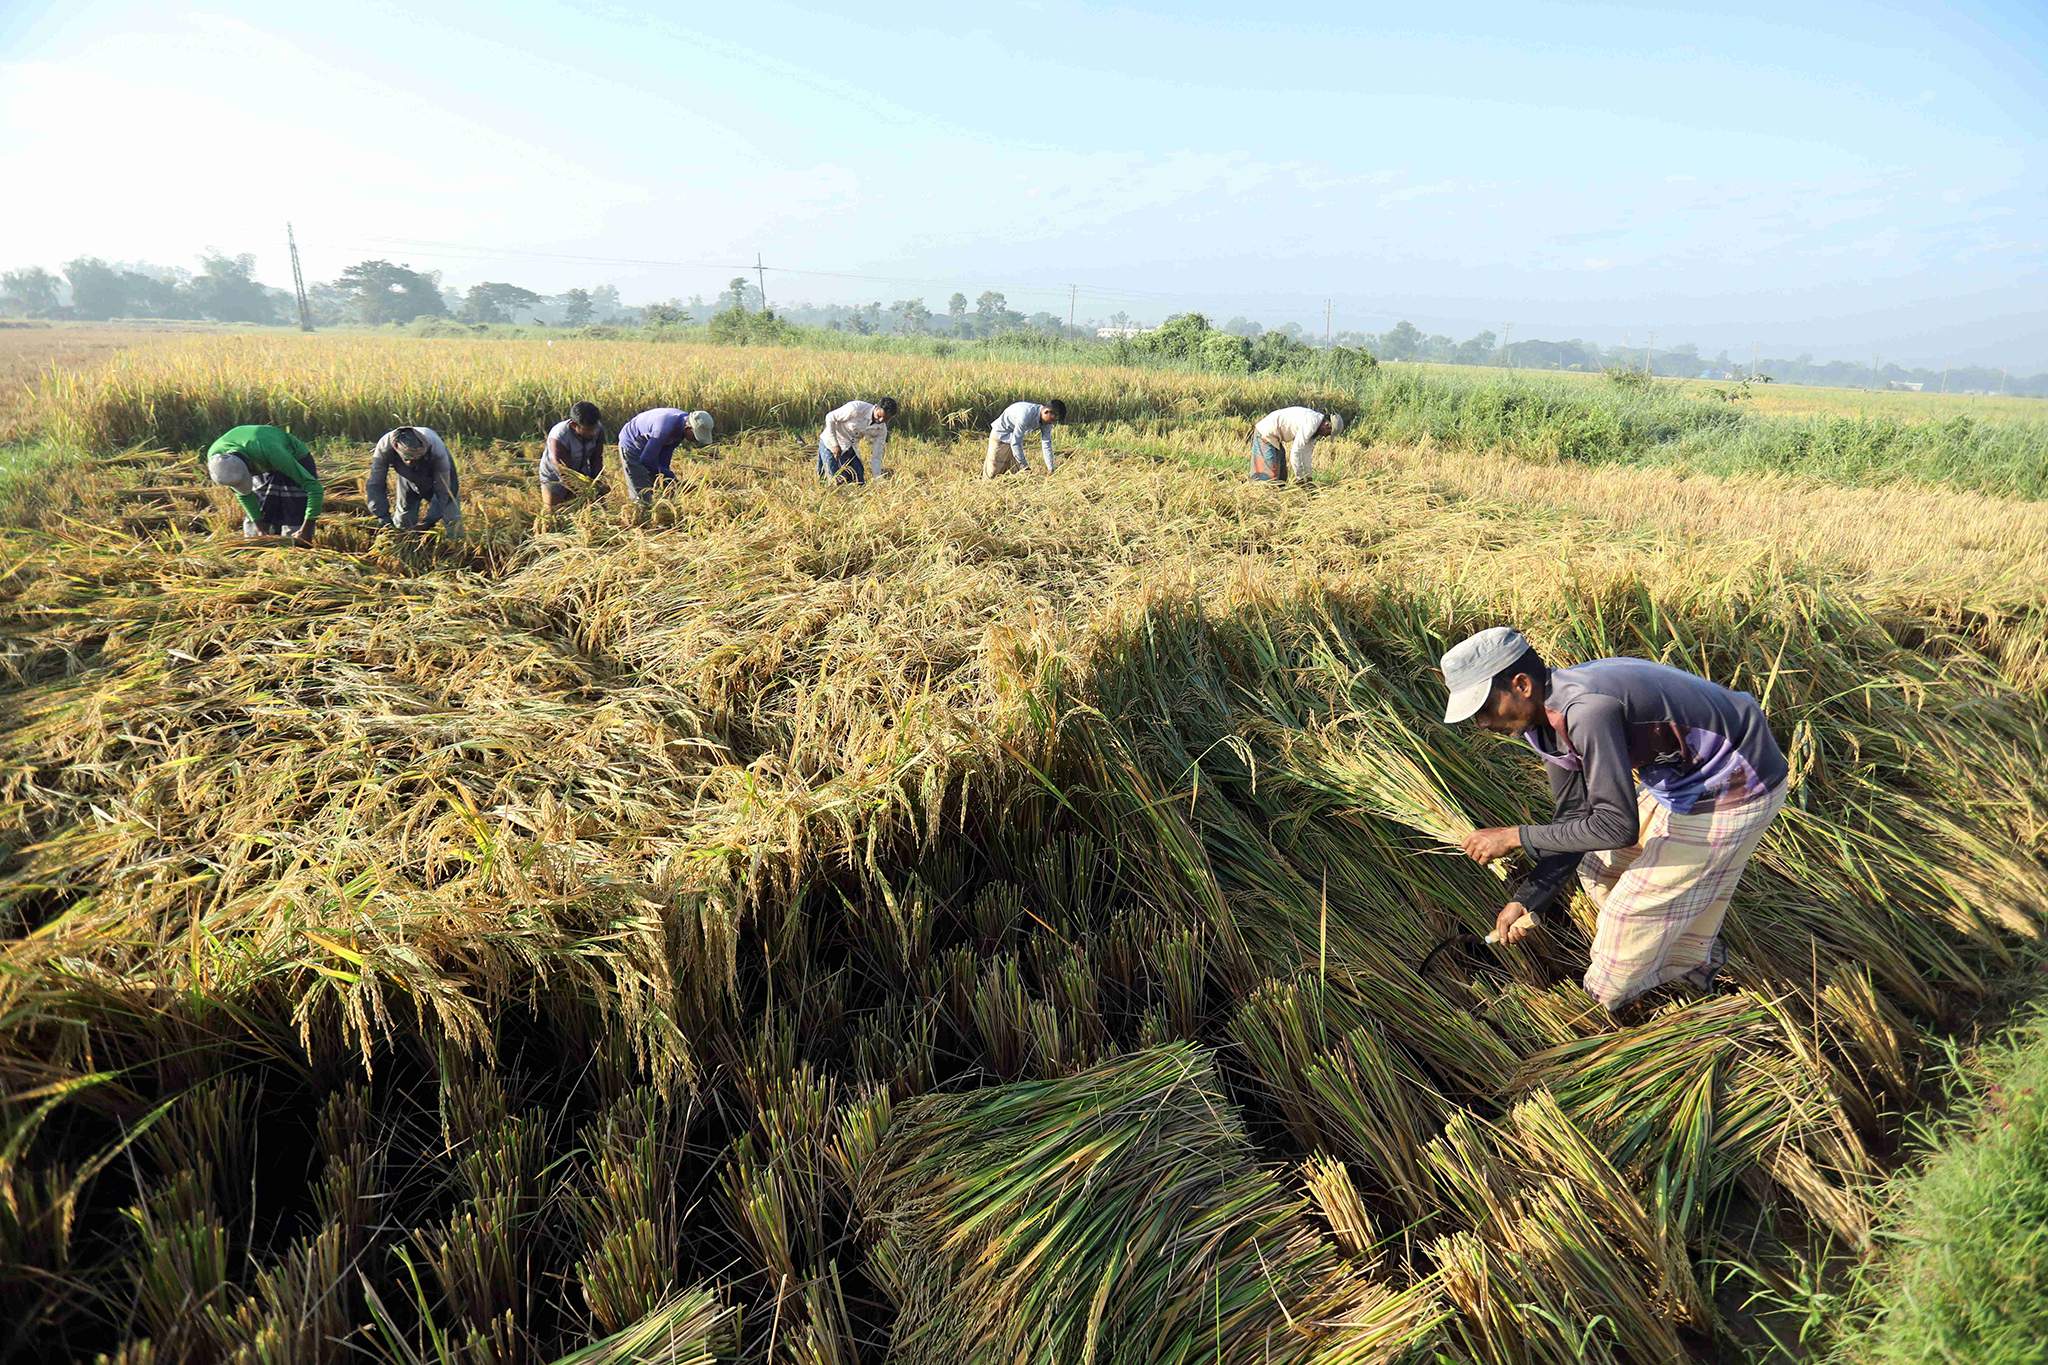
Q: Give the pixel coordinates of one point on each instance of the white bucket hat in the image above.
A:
(1336, 423)
(1470, 665)
(701, 427)
(230, 469)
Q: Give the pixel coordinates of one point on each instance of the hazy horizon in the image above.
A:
(1860, 180)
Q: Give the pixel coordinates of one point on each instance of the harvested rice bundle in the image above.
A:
(1114, 1215)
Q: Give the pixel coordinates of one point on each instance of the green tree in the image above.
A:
(493, 301)
(736, 326)
(31, 291)
(1226, 353)
(911, 315)
(98, 291)
(989, 310)
(1477, 350)
(226, 290)
(735, 295)
(577, 309)
(669, 314)
(1403, 343)
(380, 292)
(1180, 337)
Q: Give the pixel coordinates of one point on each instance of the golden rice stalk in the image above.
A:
(691, 1327)
(1329, 1184)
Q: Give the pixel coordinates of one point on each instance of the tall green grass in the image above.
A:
(1550, 419)
(1964, 1272)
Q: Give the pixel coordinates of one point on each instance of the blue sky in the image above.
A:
(1843, 178)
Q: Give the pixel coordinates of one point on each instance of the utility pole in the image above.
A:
(1649, 351)
(1756, 352)
(1326, 324)
(761, 274)
(1944, 378)
(1507, 353)
(298, 281)
(1874, 380)
(1073, 291)
(2001, 381)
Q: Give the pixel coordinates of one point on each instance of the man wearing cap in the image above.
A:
(272, 474)
(1659, 853)
(1285, 440)
(647, 446)
(429, 493)
(846, 426)
(1006, 436)
(575, 445)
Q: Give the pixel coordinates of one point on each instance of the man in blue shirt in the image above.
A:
(647, 447)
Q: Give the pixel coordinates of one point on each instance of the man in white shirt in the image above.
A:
(1284, 443)
(1006, 436)
(839, 443)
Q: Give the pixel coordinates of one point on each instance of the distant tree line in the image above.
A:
(224, 290)
(1405, 341)
(380, 292)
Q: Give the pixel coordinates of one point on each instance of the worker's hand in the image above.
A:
(304, 535)
(1514, 923)
(1490, 845)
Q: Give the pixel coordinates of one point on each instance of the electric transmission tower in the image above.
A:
(299, 281)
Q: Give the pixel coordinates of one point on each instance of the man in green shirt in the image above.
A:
(274, 479)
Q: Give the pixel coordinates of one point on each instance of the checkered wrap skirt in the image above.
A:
(1662, 901)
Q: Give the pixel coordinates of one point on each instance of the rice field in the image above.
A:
(946, 920)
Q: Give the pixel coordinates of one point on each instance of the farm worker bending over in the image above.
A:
(1293, 431)
(647, 446)
(1659, 853)
(274, 479)
(839, 442)
(575, 445)
(429, 493)
(1006, 436)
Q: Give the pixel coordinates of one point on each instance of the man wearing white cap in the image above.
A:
(647, 446)
(1284, 442)
(1658, 852)
(273, 476)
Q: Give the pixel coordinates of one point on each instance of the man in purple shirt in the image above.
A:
(1664, 783)
(647, 447)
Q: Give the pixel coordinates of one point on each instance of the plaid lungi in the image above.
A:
(280, 503)
(1662, 901)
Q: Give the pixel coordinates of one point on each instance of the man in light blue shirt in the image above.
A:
(1006, 436)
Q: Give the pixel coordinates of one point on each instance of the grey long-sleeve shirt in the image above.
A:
(1691, 743)
(1018, 421)
(431, 474)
